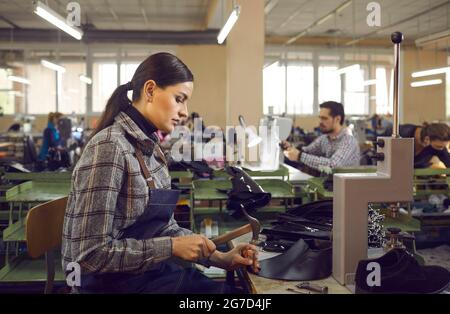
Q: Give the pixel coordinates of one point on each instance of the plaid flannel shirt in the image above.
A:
(342, 151)
(108, 194)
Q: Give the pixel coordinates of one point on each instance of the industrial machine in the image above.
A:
(353, 192)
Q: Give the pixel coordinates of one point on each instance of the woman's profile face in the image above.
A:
(168, 106)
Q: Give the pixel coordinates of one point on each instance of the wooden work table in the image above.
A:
(262, 285)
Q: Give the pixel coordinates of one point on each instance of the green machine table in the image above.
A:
(21, 268)
(206, 190)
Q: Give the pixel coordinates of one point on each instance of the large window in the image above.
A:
(274, 88)
(300, 89)
(356, 99)
(294, 88)
(127, 71)
(7, 95)
(73, 91)
(105, 82)
(42, 89)
(329, 84)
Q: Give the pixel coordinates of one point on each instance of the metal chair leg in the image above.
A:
(50, 262)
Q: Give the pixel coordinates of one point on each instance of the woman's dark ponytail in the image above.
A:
(164, 68)
(118, 102)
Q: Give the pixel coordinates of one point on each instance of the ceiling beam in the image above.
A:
(333, 41)
(323, 19)
(7, 21)
(102, 36)
(210, 12)
(354, 41)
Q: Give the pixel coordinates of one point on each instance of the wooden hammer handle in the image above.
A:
(224, 238)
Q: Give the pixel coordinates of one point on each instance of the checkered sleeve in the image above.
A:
(315, 147)
(345, 152)
(94, 244)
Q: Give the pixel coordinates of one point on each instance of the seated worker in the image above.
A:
(336, 147)
(431, 143)
(51, 137)
(119, 224)
(52, 155)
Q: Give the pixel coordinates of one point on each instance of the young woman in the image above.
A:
(119, 224)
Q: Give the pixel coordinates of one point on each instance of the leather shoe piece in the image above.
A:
(246, 193)
(300, 262)
(400, 273)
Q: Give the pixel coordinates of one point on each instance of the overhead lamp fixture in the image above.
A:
(86, 79)
(15, 93)
(426, 83)
(293, 39)
(431, 72)
(229, 24)
(325, 18)
(54, 18)
(370, 82)
(19, 79)
(269, 6)
(343, 6)
(53, 66)
(353, 67)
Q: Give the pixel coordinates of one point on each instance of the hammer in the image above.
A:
(253, 226)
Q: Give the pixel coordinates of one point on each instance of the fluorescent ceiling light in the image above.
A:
(343, 6)
(269, 6)
(293, 39)
(431, 72)
(370, 82)
(86, 79)
(54, 18)
(426, 83)
(324, 19)
(15, 93)
(228, 25)
(354, 67)
(53, 66)
(18, 79)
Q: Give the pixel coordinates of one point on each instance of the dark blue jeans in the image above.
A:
(169, 279)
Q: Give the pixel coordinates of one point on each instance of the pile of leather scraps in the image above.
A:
(315, 221)
(309, 221)
(305, 260)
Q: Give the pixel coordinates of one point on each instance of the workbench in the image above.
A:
(260, 285)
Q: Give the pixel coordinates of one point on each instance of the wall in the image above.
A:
(208, 64)
(423, 103)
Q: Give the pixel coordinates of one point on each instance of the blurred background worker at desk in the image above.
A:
(336, 147)
(52, 152)
(431, 144)
(119, 224)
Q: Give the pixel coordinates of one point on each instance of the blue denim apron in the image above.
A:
(166, 277)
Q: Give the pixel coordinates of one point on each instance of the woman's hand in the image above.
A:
(192, 247)
(242, 255)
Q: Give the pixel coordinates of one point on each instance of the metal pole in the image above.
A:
(396, 38)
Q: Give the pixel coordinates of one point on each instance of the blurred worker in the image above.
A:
(336, 147)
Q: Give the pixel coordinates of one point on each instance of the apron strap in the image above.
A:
(143, 166)
(144, 169)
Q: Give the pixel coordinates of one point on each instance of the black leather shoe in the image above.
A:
(401, 273)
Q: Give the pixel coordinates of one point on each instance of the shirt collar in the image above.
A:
(145, 141)
(343, 132)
